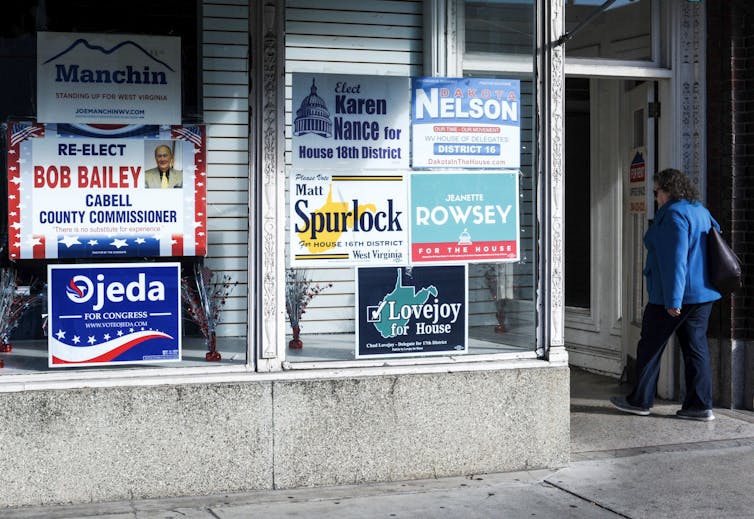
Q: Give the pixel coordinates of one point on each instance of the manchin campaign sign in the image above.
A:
(113, 314)
(465, 123)
(84, 191)
(404, 311)
(348, 122)
(108, 78)
(465, 216)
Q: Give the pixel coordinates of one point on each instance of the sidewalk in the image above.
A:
(622, 466)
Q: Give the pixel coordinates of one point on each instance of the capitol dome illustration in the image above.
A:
(313, 116)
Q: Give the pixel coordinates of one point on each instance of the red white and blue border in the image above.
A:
(49, 219)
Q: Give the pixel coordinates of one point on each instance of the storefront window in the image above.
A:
(339, 321)
(622, 31)
(209, 273)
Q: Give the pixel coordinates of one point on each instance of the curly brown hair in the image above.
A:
(676, 184)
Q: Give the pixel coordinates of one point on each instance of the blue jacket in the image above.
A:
(676, 242)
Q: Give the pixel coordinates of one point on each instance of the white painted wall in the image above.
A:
(225, 78)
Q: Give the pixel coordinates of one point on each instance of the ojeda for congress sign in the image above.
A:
(405, 311)
(113, 314)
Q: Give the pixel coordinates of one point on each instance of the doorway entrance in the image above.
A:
(609, 159)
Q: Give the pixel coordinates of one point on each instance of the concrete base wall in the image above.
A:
(98, 444)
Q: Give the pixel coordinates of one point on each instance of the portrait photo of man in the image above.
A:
(164, 176)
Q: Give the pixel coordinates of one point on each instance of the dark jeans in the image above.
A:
(691, 329)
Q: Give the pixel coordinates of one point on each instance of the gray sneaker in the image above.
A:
(701, 415)
(620, 403)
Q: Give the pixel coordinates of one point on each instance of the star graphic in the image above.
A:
(16, 225)
(130, 330)
(60, 335)
(70, 240)
(118, 243)
(92, 243)
(197, 224)
(91, 339)
(34, 240)
(140, 240)
(106, 336)
(15, 180)
(120, 333)
(156, 237)
(76, 339)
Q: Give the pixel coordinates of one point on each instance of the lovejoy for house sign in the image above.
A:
(108, 78)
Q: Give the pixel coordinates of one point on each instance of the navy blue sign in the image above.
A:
(405, 311)
(113, 314)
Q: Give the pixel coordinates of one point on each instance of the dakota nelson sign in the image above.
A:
(348, 219)
(416, 311)
(108, 78)
(113, 314)
(80, 191)
(464, 216)
(465, 123)
(349, 123)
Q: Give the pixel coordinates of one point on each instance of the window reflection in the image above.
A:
(622, 31)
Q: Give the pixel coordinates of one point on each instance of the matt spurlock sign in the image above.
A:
(348, 219)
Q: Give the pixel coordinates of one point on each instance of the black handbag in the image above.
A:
(723, 266)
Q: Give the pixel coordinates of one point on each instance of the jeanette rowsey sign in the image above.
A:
(113, 314)
(108, 78)
(462, 216)
(84, 191)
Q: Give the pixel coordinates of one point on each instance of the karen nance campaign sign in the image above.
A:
(350, 122)
(85, 191)
(465, 123)
(113, 314)
(108, 78)
(464, 216)
(405, 311)
(348, 220)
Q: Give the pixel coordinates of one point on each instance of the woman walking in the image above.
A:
(680, 298)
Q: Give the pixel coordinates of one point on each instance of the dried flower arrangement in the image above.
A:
(204, 298)
(13, 304)
(299, 292)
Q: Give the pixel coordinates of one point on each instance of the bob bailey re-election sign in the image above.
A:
(113, 313)
(108, 78)
(84, 191)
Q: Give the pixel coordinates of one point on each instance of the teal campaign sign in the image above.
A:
(464, 216)
(404, 311)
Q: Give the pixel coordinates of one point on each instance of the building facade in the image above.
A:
(605, 94)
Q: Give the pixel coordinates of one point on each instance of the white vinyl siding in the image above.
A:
(225, 77)
(378, 37)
